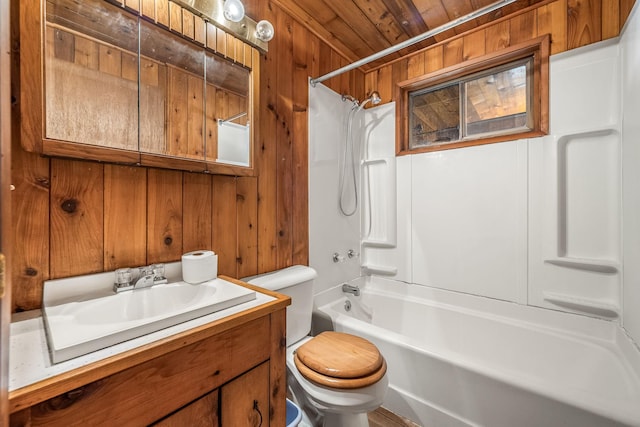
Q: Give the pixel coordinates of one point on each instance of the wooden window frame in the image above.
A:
(537, 48)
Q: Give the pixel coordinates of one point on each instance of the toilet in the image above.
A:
(334, 376)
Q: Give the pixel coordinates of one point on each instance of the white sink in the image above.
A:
(83, 314)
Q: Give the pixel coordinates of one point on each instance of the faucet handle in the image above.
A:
(123, 276)
(337, 257)
(353, 254)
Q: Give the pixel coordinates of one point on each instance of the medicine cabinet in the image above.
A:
(153, 86)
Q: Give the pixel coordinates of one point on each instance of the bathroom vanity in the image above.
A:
(230, 371)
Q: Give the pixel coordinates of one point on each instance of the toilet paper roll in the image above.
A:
(199, 266)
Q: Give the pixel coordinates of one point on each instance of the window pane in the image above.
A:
(435, 116)
(497, 102)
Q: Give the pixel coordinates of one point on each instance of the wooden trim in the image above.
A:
(33, 394)
(31, 72)
(168, 162)
(5, 205)
(76, 150)
(538, 48)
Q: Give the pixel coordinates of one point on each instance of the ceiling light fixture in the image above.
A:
(264, 30)
(233, 10)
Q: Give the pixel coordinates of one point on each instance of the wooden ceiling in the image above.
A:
(359, 28)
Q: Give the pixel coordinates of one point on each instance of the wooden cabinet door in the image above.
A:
(201, 413)
(245, 400)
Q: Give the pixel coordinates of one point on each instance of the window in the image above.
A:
(499, 97)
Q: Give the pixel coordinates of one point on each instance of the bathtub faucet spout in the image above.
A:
(350, 289)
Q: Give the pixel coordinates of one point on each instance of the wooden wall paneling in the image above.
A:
(265, 151)
(473, 45)
(433, 59)
(335, 83)
(584, 22)
(212, 33)
(626, 6)
(284, 108)
(211, 123)
(30, 219)
(345, 79)
(165, 215)
(300, 210)
(178, 107)
(175, 17)
(125, 216)
(110, 60)
(86, 53)
(152, 107)
(199, 30)
(524, 27)
(415, 65)
(497, 36)
(195, 118)
(247, 217)
(384, 83)
(371, 82)
(224, 228)
(552, 19)
(197, 208)
(231, 47)
(63, 44)
(132, 4)
(148, 9)
(188, 24)
(221, 42)
(398, 74)
(129, 67)
(162, 12)
(357, 82)
(324, 60)
(77, 227)
(452, 52)
(610, 19)
(247, 59)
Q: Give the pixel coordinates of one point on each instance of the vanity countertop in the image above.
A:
(33, 378)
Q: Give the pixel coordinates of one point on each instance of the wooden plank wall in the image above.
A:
(75, 217)
(571, 24)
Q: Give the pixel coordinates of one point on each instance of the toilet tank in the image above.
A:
(297, 283)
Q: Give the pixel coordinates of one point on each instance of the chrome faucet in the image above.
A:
(350, 289)
(129, 279)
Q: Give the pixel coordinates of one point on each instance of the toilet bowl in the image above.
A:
(339, 376)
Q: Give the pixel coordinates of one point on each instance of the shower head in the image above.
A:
(374, 98)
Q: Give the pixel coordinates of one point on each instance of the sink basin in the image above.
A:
(97, 318)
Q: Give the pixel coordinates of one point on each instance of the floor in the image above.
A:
(384, 418)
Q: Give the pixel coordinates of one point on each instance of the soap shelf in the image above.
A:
(598, 266)
(587, 305)
(380, 269)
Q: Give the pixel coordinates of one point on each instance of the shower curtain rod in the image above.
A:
(468, 17)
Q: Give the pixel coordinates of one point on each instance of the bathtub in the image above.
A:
(462, 360)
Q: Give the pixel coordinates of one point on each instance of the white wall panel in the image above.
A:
(630, 47)
(469, 211)
(329, 230)
(575, 201)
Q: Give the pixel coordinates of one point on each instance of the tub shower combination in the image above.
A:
(462, 360)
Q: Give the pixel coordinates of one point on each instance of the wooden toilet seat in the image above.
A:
(340, 360)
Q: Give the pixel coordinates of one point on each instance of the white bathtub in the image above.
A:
(462, 360)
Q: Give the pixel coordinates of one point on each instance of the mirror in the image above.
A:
(91, 74)
(115, 80)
